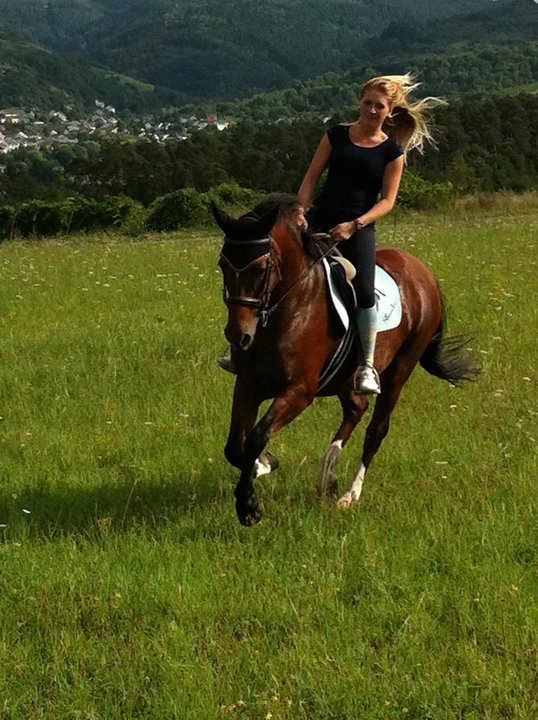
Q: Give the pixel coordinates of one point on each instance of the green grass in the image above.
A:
(129, 590)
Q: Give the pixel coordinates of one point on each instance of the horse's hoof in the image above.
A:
(249, 511)
(349, 500)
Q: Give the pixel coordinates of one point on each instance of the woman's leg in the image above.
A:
(360, 250)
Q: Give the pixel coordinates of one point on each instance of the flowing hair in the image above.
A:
(408, 122)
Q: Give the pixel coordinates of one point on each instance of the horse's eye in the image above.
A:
(258, 269)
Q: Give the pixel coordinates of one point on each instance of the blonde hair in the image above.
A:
(408, 122)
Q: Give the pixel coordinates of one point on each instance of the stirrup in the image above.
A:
(366, 381)
(226, 363)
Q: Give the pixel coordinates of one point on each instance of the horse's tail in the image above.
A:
(450, 358)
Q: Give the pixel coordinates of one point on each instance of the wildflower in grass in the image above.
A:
(114, 600)
(26, 511)
(104, 524)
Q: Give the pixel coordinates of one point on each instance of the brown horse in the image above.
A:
(282, 337)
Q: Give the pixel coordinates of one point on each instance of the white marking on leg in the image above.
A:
(327, 479)
(261, 468)
(353, 494)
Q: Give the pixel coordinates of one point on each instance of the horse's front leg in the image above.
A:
(244, 411)
(282, 411)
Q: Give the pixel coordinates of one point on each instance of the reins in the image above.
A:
(267, 312)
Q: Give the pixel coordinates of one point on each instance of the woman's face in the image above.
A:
(374, 107)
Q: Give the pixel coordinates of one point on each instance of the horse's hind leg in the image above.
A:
(353, 406)
(392, 382)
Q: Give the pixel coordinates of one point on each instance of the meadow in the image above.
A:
(128, 589)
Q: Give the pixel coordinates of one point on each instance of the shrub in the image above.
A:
(6, 221)
(41, 218)
(75, 215)
(420, 194)
(124, 214)
(182, 208)
(237, 199)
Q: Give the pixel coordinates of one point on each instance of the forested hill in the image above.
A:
(513, 21)
(34, 77)
(487, 69)
(222, 50)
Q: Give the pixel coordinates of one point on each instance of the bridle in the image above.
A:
(262, 302)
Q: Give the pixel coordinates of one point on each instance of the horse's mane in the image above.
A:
(286, 204)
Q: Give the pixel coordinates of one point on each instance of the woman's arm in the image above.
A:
(389, 191)
(313, 174)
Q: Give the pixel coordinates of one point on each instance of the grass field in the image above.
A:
(129, 590)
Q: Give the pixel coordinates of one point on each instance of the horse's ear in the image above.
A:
(223, 220)
(266, 222)
(248, 227)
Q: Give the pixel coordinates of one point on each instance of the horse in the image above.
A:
(282, 337)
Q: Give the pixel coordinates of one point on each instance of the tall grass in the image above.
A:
(128, 588)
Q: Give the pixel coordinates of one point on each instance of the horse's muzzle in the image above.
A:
(241, 329)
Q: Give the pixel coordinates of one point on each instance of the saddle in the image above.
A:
(339, 273)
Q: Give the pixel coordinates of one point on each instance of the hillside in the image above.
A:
(223, 50)
(33, 76)
(513, 21)
(460, 69)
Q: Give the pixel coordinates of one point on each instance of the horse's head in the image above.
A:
(250, 264)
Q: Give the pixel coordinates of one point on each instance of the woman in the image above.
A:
(365, 162)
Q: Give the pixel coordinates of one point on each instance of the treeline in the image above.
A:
(483, 144)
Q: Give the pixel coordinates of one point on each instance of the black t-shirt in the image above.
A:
(355, 175)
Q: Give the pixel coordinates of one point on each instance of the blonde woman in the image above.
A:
(365, 162)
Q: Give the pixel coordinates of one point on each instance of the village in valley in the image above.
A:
(21, 128)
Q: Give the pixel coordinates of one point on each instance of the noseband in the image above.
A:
(261, 302)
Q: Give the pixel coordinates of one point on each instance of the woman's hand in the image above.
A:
(343, 231)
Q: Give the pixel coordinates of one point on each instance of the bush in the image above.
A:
(182, 208)
(41, 218)
(419, 194)
(237, 199)
(123, 214)
(6, 221)
(189, 208)
(73, 215)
